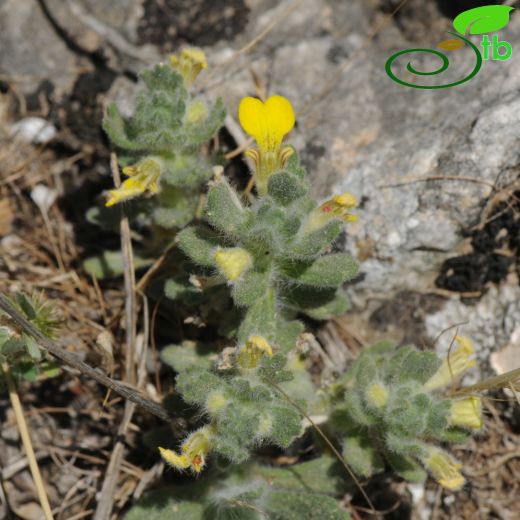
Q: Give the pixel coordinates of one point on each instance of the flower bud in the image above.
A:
(467, 413)
(251, 353)
(456, 362)
(233, 262)
(444, 469)
(336, 208)
(193, 451)
(215, 402)
(377, 395)
(189, 64)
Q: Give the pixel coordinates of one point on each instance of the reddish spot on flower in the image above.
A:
(197, 462)
(326, 209)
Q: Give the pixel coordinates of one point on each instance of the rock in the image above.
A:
(507, 358)
(31, 49)
(33, 130)
(44, 197)
(423, 163)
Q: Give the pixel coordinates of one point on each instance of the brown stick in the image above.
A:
(27, 443)
(74, 361)
(106, 498)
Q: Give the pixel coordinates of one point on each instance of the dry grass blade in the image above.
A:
(105, 503)
(27, 443)
(491, 383)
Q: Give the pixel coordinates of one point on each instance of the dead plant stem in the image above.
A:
(27, 443)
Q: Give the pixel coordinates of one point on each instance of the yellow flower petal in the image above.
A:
(444, 469)
(347, 200)
(267, 122)
(177, 461)
(467, 413)
(457, 361)
(193, 451)
(143, 176)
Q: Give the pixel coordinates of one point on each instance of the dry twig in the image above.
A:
(71, 360)
(105, 502)
(27, 443)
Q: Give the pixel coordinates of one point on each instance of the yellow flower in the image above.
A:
(233, 262)
(193, 451)
(255, 347)
(377, 395)
(456, 362)
(336, 208)
(189, 64)
(444, 469)
(142, 177)
(467, 413)
(268, 123)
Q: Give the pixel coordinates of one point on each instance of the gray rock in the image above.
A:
(359, 131)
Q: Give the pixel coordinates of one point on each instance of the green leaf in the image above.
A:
(32, 347)
(480, 20)
(293, 165)
(26, 305)
(4, 335)
(284, 188)
(272, 369)
(361, 455)
(196, 383)
(287, 334)
(317, 303)
(314, 243)
(190, 353)
(286, 424)
(186, 170)
(418, 366)
(50, 369)
(223, 208)
(407, 467)
(115, 127)
(454, 434)
(260, 319)
(161, 505)
(327, 271)
(25, 370)
(199, 244)
(290, 505)
(12, 346)
(179, 289)
(176, 206)
(111, 264)
(250, 287)
(202, 131)
(314, 476)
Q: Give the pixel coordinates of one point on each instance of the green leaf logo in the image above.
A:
(480, 20)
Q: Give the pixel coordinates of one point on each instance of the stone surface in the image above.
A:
(359, 131)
